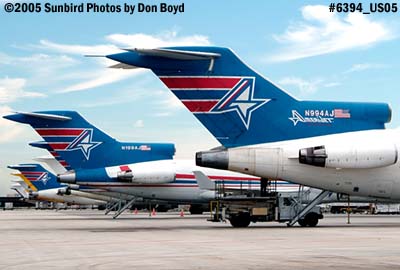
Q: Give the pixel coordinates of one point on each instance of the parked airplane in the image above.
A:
(44, 187)
(336, 146)
(147, 170)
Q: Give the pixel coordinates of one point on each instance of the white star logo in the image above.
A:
(44, 177)
(296, 117)
(241, 99)
(84, 143)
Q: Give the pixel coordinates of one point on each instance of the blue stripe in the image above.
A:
(31, 175)
(51, 139)
(232, 182)
(200, 94)
(181, 181)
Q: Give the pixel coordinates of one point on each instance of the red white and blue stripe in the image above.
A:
(217, 95)
(69, 139)
(200, 94)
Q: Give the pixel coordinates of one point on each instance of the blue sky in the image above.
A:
(299, 45)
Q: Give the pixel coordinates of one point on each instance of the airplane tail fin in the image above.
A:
(239, 106)
(77, 144)
(36, 176)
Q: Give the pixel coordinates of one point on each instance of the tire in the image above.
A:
(311, 219)
(302, 222)
(241, 220)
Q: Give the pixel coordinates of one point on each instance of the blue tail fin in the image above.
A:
(239, 106)
(38, 176)
(78, 144)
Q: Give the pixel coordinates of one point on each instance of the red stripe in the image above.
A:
(214, 177)
(34, 173)
(124, 168)
(166, 185)
(55, 154)
(58, 146)
(196, 82)
(233, 178)
(199, 106)
(59, 132)
(138, 185)
(63, 163)
(186, 176)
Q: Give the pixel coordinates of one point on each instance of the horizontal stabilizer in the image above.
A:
(123, 66)
(40, 144)
(176, 54)
(19, 167)
(19, 116)
(53, 163)
(203, 181)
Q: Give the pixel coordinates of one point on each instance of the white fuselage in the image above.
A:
(360, 173)
(53, 196)
(184, 188)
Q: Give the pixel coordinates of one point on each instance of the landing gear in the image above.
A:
(241, 220)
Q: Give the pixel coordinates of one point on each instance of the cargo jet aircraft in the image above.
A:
(144, 170)
(43, 186)
(264, 131)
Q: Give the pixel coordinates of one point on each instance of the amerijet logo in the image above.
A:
(37, 176)
(69, 139)
(315, 119)
(84, 143)
(216, 95)
(241, 100)
(319, 116)
(44, 178)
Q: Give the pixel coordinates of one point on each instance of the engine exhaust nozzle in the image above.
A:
(67, 177)
(217, 159)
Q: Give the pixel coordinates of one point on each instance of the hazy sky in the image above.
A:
(300, 45)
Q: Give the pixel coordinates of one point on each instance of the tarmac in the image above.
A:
(87, 239)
